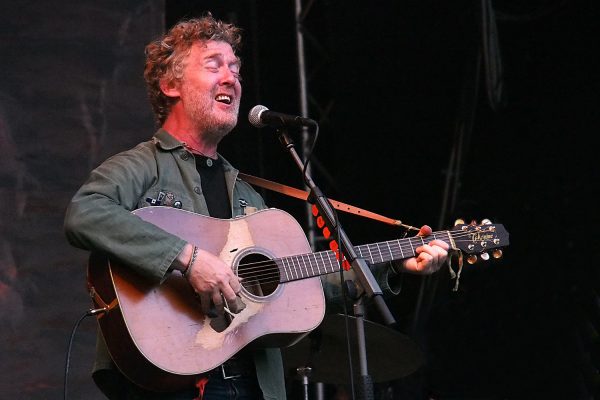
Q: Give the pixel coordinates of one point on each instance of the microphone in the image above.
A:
(261, 116)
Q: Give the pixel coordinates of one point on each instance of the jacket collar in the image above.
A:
(167, 142)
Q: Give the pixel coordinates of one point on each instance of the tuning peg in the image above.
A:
(472, 259)
(484, 256)
(486, 221)
(497, 253)
(459, 221)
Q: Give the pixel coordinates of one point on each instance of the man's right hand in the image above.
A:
(211, 278)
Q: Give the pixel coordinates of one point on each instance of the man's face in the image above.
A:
(210, 89)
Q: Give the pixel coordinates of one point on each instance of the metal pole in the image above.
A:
(303, 93)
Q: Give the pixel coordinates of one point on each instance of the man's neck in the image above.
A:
(192, 137)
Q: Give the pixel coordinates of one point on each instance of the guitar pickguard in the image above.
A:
(210, 339)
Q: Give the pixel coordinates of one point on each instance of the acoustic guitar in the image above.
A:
(158, 335)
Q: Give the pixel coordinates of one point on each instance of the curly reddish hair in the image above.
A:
(165, 57)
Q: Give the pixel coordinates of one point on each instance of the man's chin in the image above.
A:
(228, 125)
(227, 119)
(219, 130)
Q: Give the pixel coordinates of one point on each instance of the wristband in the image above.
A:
(192, 259)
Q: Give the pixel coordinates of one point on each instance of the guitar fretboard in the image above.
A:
(309, 265)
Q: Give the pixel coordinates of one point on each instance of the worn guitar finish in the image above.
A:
(157, 334)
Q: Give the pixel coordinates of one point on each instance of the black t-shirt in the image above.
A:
(217, 199)
(214, 188)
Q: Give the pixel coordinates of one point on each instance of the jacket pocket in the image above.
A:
(165, 197)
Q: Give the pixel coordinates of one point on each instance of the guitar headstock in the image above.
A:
(479, 239)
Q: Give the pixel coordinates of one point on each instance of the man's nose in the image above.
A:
(227, 76)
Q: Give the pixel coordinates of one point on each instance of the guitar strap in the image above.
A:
(303, 195)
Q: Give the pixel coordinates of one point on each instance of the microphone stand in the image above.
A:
(359, 265)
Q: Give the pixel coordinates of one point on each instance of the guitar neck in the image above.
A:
(309, 265)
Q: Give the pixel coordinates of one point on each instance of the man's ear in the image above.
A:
(169, 88)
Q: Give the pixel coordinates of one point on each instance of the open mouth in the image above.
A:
(223, 98)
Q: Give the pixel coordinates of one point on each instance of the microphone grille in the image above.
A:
(254, 116)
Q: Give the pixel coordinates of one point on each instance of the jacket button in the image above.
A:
(184, 155)
(197, 190)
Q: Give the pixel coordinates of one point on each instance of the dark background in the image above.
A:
(400, 91)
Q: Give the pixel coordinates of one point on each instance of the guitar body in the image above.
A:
(157, 334)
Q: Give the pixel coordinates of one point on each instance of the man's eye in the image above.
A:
(211, 66)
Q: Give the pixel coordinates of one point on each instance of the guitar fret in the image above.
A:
(400, 246)
(300, 265)
(306, 266)
(326, 260)
(283, 260)
(318, 263)
(322, 263)
(379, 250)
(411, 246)
(370, 255)
(291, 267)
(288, 272)
(312, 268)
(331, 263)
(313, 262)
(296, 267)
(359, 248)
(450, 240)
(390, 250)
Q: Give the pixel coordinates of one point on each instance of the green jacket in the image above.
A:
(99, 218)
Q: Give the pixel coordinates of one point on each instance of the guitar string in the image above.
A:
(273, 270)
(375, 246)
(275, 275)
(399, 250)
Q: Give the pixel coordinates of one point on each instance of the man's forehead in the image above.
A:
(215, 48)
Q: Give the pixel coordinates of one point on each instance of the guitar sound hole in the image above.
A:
(260, 275)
